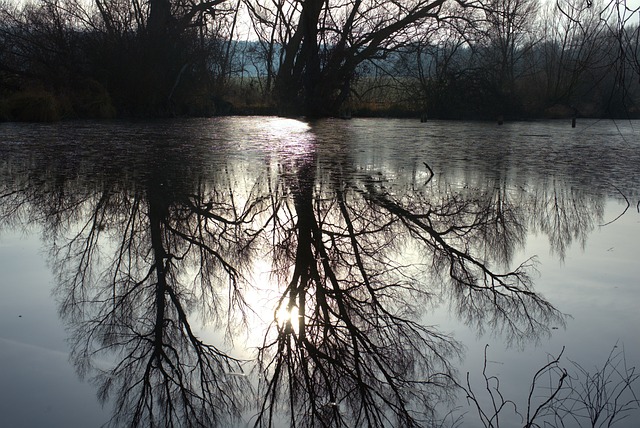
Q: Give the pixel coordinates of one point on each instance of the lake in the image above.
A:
(230, 271)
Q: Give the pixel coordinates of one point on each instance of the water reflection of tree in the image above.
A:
(565, 215)
(136, 305)
(133, 259)
(359, 256)
(355, 352)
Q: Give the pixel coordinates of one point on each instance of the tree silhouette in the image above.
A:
(135, 255)
(354, 350)
(138, 307)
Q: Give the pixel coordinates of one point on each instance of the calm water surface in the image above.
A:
(147, 261)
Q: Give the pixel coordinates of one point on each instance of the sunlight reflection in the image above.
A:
(285, 127)
(268, 312)
(291, 137)
(287, 317)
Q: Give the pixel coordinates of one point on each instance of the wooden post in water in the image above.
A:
(345, 114)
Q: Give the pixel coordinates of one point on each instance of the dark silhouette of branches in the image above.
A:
(353, 354)
(352, 350)
(504, 301)
(573, 396)
(140, 250)
(137, 306)
(602, 398)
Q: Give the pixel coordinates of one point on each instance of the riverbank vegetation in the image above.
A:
(454, 59)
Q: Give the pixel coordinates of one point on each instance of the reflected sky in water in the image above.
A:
(547, 190)
(39, 386)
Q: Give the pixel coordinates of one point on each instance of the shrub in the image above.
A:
(32, 106)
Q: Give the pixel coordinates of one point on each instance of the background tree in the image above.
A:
(508, 36)
(440, 67)
(171, 50)
(574, 53)
(156, 58)
(326, 42)
(621, 86)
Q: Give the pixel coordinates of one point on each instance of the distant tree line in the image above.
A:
(525, 59)
(112, 57)
(440, 58)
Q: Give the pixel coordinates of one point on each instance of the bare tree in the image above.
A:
(323, 44)
(575, 46)
(509, 35)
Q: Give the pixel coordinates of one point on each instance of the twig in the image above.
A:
(623, 212)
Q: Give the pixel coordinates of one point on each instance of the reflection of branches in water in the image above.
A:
(357, 354)
(135, 259)
(505, 228)
(623, 211)
(565, 215)
(505, 302)
(136, 304)
(34, 198)
(354, 356)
